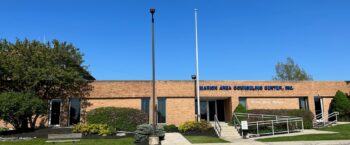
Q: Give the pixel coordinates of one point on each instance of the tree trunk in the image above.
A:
(24, 124)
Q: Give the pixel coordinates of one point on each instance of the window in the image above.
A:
(243, 101)
(145, 105)
(161, 110)
(74, 111)
(303, 103)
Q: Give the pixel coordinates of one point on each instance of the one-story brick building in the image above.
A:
(176, 98)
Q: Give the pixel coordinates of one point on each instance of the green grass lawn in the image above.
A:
(343, 133)
(123, 141)
(204, 139)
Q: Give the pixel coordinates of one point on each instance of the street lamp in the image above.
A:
(154, 139)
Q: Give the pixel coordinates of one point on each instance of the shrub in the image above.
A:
(117, 119)
(340, 103)
(239, 109)
(170, 128)
(19, 109)
(193, 126)
(305, 114)
(3, 129)
(100, 129)
(144, 130)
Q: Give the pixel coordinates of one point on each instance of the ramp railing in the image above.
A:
(263, 124)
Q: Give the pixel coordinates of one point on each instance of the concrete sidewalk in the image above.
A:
(178, 139)
(175, 139)
(328, 142)
(306, 131)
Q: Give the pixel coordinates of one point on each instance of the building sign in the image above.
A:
(246, 88)
(244, 125)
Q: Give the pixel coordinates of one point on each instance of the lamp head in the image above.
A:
(194, 77)
(152, 10)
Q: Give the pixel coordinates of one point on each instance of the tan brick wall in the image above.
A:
(272, 103)
(122, 102)
(326, 105)
(179, 110)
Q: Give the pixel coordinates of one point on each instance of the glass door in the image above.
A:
(74, 111)
(318, 107)
(204, 110)
(212, 110)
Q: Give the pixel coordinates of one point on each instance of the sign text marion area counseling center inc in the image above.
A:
(246, 88)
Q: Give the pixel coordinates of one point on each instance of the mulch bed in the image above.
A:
(43, 132)
(210, 132)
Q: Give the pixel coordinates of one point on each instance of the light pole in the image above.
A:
(153, 140)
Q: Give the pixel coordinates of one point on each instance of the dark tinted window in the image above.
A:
(145, 105)
(161, 110)
(243, 101)
(303, 103)
(74, 112)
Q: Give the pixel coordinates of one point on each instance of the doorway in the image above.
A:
(55, 109)
(210, 108)
(318, 107)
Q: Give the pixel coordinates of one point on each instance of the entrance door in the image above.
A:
(210, 108)
(318, 107)
(55, 112)
(204, 110)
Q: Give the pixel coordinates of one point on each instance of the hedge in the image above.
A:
(117, 119)
(307, 116)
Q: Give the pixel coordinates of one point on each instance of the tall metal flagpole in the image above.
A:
(197, 75)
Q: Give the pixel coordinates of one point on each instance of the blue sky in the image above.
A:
(238, 39)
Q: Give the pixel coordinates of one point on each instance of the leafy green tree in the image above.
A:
(290, 71)
(50, 70)
(19, 109)
(340, 103)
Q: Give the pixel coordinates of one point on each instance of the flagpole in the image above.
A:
(197, 75)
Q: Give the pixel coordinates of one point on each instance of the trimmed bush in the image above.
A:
(100, 129)
(239, 109)
(143, 131)
(307, 116)
(194, 126)
(340, 103)
(170, 128)
(117, 119)
(3, 129)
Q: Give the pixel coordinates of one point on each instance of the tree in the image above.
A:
(19, 108)
(50, 70)
(290, 71)
(340, 103)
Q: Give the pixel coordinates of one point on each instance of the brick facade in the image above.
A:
(180, 104)
(180, 100)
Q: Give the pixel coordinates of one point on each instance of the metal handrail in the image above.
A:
(324, 123)
(217, 125)
(272, 121)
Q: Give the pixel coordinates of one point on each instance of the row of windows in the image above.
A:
(303, 102)
(161, 114)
